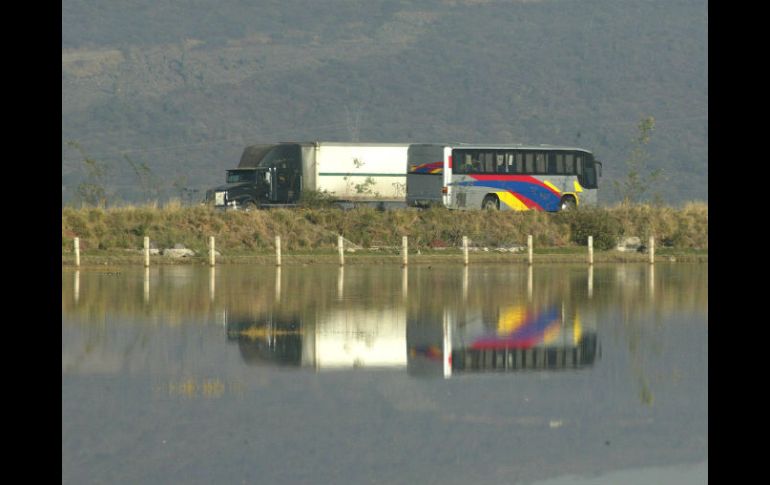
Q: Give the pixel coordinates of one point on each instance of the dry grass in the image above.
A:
(123, 228)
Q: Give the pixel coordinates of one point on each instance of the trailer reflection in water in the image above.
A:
(514, 338)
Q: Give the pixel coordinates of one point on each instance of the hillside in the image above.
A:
(166, 95)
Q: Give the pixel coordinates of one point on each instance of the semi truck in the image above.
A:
(270, 175)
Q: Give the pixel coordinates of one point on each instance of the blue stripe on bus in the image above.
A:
(539, 194)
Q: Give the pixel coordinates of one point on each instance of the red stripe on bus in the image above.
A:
(531, 204)
(514, 178)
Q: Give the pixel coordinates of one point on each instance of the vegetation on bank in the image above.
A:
(315, 230)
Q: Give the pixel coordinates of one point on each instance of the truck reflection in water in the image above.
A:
(334, 339)
(520, 338)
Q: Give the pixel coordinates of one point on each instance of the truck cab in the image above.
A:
(267, 175)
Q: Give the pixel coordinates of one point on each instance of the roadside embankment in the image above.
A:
(115, 235)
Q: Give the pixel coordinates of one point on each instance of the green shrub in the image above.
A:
(598, 223)
(316, 199)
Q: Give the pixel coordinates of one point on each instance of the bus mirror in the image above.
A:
(598, 167)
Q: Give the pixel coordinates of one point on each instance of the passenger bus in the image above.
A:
(501, 177)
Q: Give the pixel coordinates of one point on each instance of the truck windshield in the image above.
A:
(237, 176)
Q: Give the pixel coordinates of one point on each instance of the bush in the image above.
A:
(316, 199)
(598, 223)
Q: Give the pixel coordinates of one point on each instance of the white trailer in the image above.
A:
(278, 174)
(357, 171)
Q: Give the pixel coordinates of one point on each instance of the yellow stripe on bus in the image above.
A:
(511, 201)
(552, 186)
(578, 188)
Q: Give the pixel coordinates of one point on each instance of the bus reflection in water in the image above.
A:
(520, 339)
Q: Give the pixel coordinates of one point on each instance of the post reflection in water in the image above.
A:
(341, 283)
(591, 281)
(76, 288)
(465, 283)
(212, 283)
(146, 285)
(277, 283)
(404, 283)
(651, 281)
(529, 282)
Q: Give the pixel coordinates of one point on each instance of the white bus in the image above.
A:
(502, 177)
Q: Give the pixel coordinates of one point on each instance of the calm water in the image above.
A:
(493, 374)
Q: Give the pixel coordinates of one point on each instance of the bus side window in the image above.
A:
(569, 163)
(489, 162)
(540, 165)
(509, 163)
(551, 163)
(579, 164)
(468, 163)
(529, 162)
(559, 163)
(519, 162)
(500, 166)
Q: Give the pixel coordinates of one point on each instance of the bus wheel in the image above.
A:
(491, 202)
(568, 203)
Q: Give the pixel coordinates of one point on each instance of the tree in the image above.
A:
(91, 191)
(639, 178)
(151, 186)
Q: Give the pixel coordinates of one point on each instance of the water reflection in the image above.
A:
(651, 281)
(212, 283)
(529, 282)
(308, 366)
(76, 288)
(278, 284)
(146, 292)
(516, 338)
(424, 320)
